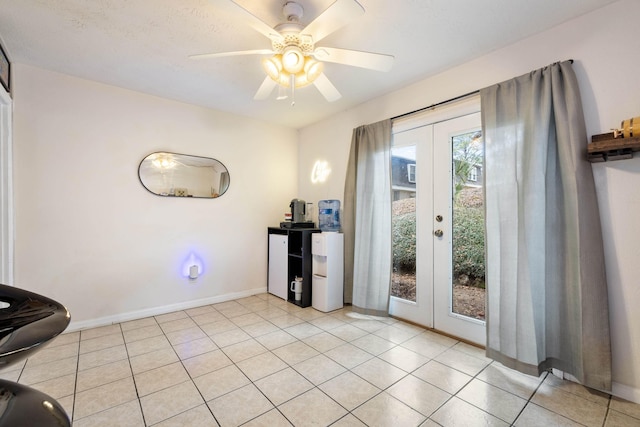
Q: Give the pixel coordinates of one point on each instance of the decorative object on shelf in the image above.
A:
(181, 175)
(617, 145)
(628, 128)
(28, 322)
(5, 70)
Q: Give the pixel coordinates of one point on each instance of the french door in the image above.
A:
(438, 223)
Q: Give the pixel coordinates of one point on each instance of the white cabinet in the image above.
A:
(327, 251)
(277, 280)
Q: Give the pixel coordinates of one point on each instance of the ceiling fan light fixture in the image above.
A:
(296, 62)
(293, 59)
(284, 79)
(273, 66)
(313, 69)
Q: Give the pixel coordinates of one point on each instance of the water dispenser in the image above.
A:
(327, 281)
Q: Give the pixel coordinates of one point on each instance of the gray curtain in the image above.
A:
(547, 293)
(367, 220)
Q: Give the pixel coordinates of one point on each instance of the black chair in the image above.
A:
(27, 324)
(25, 406)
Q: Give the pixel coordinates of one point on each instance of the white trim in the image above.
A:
(155, 311)
(438, 114)
(622, 391)
(7, 215)
(626, 392)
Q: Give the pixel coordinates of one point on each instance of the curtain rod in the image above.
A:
(438, 104)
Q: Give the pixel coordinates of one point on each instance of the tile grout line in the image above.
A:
(258, 388)
(367, 333)
(75, 383)
(374, 356)
(133, 378)
(533, 393)
(191, 379)
(306, 321)
(253, 382)
(233, 362)
(185, 368)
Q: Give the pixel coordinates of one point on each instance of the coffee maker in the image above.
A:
(298, 216)
(298, 210)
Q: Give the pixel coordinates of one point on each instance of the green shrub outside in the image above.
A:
(404, 241)
(468, 238)
(468, 234)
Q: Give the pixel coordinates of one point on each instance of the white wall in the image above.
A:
(90, 236)
(604, 45)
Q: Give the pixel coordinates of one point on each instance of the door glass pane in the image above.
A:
(403, 170)
(468, 283)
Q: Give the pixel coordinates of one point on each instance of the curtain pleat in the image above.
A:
(367, 220)
(547, 304)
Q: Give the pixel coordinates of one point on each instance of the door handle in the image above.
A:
(438, 233)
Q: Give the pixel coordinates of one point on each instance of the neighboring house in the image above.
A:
(403, 177)
(474, 176)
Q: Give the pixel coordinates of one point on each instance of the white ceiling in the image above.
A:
(144, 45)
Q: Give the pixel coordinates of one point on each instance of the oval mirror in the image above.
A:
(182, 175)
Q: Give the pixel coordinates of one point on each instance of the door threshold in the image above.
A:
(440, 332)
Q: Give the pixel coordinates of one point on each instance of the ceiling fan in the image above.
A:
(295, 60)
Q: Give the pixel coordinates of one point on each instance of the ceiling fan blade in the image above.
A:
(326, 88)
(236, 53)
(355, 58)
(265, 89)
(258, 24)
(333, 18)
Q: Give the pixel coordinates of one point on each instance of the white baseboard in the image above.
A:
(619, 390)
(626, 392)
(155, 311)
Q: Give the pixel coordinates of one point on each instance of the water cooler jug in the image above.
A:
(329, 215)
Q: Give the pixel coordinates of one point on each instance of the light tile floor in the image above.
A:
(260, 361)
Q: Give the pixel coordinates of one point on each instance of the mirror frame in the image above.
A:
(149, 157)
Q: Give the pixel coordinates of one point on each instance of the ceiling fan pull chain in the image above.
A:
(293, 90)
(282, 93)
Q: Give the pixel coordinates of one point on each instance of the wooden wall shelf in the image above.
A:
(605, 147)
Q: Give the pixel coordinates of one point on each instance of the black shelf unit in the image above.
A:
(299, 260)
